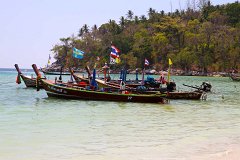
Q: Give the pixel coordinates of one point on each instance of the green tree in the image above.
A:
(130, 15)
(160, 48)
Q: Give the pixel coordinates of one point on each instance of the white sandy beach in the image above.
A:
(232, 153)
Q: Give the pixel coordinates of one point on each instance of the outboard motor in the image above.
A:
(150, 82)
(171, 86)
(206, 87)
(141, 89)
(108, 78)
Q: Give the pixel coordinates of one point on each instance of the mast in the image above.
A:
(105, 68)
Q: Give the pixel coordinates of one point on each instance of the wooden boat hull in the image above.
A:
(235, 77)
(185, 95)
(55, 73)
(29, 81)
(66, 92)
(79, 78)
(170, 95)
(110, 84)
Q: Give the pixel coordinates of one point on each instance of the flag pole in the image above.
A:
(169, 69)
(143, 72)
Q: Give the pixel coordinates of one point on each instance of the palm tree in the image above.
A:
(85, 28)
(80, 32)
(177, 13)
(94, 31)
(122, 22)
(151, 12)
(136, 19)
(143, 18)
(130, 14)
(203, 3)
(114, 28)
(162, 13)
(65, 41)
(94, 27)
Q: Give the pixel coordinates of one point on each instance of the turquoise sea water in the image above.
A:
(35, 127)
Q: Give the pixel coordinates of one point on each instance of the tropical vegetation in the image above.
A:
(203, 37)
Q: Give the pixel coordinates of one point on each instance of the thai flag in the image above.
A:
(114, 52)
(146, 63)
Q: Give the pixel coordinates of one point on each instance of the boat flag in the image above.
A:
(169, 69)
(77, 53)
(146, 63)
(117, 60)
(49, 58)
(143, 72)
(170, 61)
(114, 55)
(112, 60)
(114, 52)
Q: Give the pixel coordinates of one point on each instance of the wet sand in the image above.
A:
(232, 153)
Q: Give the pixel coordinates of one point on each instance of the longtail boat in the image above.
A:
(78, 78)
(234, 76)
(102, 83)
(137, 88)
(170, 90)
(194, 95)
(186, 95)
(29, 81)
(55, 73)
(106, 81)
(204, 87)
(70, 91)
(115, 84)
(48, 72)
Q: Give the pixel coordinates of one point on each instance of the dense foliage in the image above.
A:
(204, 39)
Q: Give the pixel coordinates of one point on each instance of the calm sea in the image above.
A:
(35, 127)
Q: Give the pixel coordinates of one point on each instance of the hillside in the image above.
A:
(204, 40)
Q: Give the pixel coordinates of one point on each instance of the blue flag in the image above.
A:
(77, 53)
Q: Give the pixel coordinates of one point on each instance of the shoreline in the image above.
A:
(231, 153)
(147, 72)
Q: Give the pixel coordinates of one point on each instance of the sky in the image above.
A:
(30, 28)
